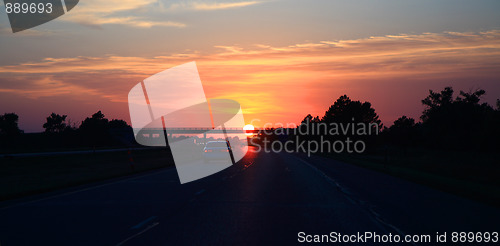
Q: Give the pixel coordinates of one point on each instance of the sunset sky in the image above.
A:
(281, 59)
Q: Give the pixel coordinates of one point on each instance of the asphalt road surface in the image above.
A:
(266, 198)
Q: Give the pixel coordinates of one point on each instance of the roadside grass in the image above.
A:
(468, 174)
(23, 176)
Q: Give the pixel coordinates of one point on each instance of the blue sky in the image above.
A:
(181, 26)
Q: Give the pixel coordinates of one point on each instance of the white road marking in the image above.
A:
(139, 233)
(138, 226)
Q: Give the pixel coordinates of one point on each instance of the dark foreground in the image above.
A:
(263, 199)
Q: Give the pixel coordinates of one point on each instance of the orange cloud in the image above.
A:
(283, 84)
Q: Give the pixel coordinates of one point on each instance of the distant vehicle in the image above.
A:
(216, 150)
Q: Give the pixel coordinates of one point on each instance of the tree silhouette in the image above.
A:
(471, 98)
(97, 124)
(435, 101)
(118, 124)
(344, 110)
(344, 113)
(97, 130)
(55, 123)
(9, 124)
(403, 132)
(309, 119)
(306, 126)
(403, 122)
(462, 123)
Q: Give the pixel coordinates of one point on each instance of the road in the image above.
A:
(267, 198)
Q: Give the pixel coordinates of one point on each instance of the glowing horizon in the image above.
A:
(279, 84)
(280, 59)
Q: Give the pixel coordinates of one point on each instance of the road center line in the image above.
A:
(143, 223)
(137, 234)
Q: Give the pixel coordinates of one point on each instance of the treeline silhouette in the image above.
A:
(447, 123)
(95, 131)
(459, 123)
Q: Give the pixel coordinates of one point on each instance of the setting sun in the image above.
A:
(248, 128)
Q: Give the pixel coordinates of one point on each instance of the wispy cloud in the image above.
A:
(96, 13)
(209, 5)
(133, 13)
(98, 21)
(393, 72)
